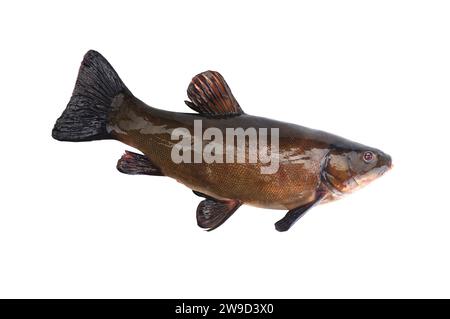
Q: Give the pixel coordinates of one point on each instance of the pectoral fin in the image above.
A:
(292, 217)
(295, 214)
(212, 213)
(137, 164)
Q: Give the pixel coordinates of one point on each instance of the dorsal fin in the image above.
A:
(211, 96)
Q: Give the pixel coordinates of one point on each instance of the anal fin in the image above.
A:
(137, 164)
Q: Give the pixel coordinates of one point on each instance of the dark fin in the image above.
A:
(85, 117)
(292, 217)
(137, 164)
(295, 214)
(211, 96)
(212, 213)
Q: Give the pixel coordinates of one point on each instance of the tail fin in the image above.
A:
(85, 117)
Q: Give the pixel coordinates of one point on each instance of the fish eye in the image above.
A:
(368, 156)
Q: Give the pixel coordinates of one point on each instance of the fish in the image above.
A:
(299, 169)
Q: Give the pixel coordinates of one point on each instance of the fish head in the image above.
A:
(349, 169)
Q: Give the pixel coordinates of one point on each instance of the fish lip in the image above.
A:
(390, 166)
(385, 169)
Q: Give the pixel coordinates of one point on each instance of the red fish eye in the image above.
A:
(368, 157)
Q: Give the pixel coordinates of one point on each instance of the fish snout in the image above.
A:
(390, 165)
(385, 163)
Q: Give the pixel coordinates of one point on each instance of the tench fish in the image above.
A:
(224, 155)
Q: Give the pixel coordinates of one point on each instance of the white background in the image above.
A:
(377, 72)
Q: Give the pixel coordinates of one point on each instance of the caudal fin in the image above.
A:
(86, 116)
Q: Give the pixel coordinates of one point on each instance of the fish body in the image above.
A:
(312, 166)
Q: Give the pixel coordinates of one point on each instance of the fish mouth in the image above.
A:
(381, 171)
(361, 181)
(386, 167)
